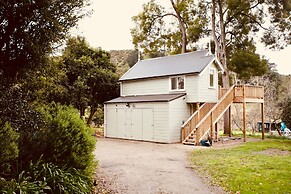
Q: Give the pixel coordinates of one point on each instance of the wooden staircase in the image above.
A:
(204, 119)
(188, 128)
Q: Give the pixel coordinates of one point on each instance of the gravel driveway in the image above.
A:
(143, 167)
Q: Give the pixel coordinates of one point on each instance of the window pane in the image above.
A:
(211, 77)
(180, 83)
(174, 83)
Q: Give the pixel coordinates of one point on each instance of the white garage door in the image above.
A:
(143, 124)
(115, 123)
(140, 125)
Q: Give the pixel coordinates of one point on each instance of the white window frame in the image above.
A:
(170, 83)
(212, 72)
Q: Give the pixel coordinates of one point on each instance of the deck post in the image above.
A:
(197, 136)
(244, 113)
(263, 122)
(182, 134)
(211, 126)
(216, 132)
(197, 108)
(229, 109)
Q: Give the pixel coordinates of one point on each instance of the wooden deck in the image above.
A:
(253, 94)
(207, 115)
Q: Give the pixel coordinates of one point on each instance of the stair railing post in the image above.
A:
(182, 134)
(198, 114)
(197, 136)
(211, 126)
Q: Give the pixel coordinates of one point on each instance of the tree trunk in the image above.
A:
(82, 112)
(93, 110)
(220, 51)
(182, 27)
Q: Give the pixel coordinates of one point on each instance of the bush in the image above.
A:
(8, 147)
(67, 140)
(54, 133)
(48, 178)
(286, 114)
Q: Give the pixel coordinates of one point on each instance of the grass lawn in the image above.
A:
(254, 167)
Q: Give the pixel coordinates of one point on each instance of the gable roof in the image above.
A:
(186, 63)
(147, 98)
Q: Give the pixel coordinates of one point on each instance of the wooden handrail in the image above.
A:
(190, 124)
(204, 118)
(214, 114)
(250, 91)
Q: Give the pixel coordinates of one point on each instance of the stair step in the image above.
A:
(191, 140)
(189, 143)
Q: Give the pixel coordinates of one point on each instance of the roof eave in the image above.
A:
(219, 64)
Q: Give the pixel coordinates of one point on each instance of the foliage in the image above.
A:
(286, 113)
(30, 29)
(255, 167)
(46, 83)
(91, 77)
(54, 132)
(48, 178)
(273, 93)
(247, 64)
(64, 129)
(99, 117)
(278, 34)
(153, 34)
(8, 147)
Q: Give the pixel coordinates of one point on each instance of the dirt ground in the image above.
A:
(142, 167)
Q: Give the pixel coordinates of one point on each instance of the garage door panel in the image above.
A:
(128, 121)
(120, 122)
(148, 124)
(111, 123)
(137, 124)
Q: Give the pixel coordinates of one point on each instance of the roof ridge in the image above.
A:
(175, 55)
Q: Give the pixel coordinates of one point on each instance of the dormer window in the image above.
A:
(177, 83)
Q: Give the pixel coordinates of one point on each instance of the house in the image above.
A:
(157, 96)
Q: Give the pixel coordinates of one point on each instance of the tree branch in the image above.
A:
(254, 20)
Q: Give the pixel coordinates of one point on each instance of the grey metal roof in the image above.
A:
(147, 98)
(186, 63)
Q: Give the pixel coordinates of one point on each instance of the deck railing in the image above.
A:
(195, 118)
(214, 114)
(250, 91)
(204, 118)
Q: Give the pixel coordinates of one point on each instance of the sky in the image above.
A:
(109, 27)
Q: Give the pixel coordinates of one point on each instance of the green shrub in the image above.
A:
(67, 140)
(48, 178)
(55, 133)
(8, 147)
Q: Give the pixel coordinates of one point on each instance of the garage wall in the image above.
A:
(160, 120)
(179, 112)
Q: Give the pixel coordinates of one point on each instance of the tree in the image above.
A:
(286, 114)
(91, 78)
(153, 34)
(237, 22)
(29, 30)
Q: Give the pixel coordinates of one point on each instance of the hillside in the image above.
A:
(123, 59)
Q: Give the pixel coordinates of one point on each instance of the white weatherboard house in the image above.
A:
(158, 95)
